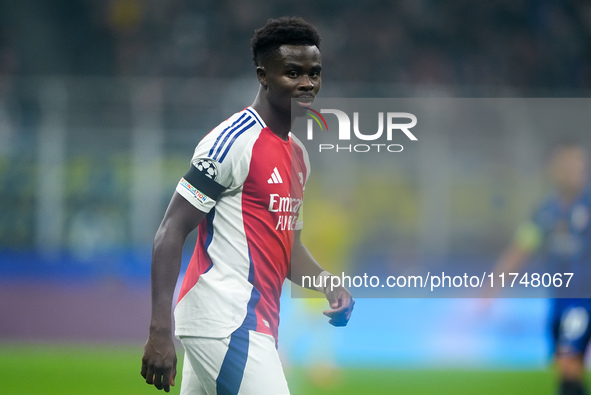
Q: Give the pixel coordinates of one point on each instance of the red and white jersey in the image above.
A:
(251, 183)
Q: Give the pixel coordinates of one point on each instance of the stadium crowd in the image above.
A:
(530, 44)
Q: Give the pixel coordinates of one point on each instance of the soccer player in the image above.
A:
(560, 230)
(244, 191)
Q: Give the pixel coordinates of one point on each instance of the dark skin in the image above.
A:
(289, 72)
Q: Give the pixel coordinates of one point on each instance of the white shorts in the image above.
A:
(244, 363)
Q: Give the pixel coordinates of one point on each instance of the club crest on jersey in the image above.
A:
(194, 191)
(208, 167)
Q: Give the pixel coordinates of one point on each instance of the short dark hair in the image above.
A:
(566, 143)
(282, 31)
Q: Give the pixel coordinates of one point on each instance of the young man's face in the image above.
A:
(292, 72)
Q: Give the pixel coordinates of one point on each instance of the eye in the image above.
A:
(292, 74)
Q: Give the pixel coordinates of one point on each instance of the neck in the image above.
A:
(277, 120)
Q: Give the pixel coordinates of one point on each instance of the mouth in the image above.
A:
(304, 101)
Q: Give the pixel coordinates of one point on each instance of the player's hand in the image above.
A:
(341, 306)
(159, 362)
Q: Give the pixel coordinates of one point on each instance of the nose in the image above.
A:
(306, 83)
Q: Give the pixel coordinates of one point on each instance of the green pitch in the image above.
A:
(43, 369)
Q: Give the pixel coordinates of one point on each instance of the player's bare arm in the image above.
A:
(517, 254)
(303, 264)
(512, 259)
(159, 360)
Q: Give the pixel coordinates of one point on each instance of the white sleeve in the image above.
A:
(218, 164)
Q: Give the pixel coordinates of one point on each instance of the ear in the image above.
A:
(262, 76)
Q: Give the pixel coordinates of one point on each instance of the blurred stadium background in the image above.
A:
(102, 103)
